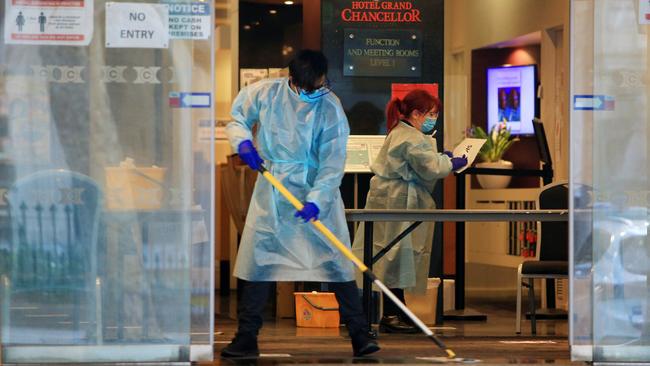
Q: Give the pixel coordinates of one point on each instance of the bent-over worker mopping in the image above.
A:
(302, 133)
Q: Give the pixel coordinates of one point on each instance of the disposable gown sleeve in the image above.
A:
(331, 156)
(426, 162)
(245, 113)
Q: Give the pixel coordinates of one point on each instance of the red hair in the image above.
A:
(417, 99)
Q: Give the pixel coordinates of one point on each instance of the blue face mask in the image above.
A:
(314, 96)
(428, 125)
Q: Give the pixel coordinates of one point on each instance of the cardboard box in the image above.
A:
(317, 310)
(134, 188)
(424, 305)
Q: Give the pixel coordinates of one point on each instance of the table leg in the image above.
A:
(367, 284)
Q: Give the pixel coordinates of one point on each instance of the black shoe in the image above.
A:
(362, 345)
(393, 324)
(405, 319)
(243, 345)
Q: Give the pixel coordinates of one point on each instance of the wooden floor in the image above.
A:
(491, 342)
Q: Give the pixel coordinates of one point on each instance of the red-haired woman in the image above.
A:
(406, 170)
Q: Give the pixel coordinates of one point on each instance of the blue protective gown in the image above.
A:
(406, 170)
(303, 145)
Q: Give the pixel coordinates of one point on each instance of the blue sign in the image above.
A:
(188, 8)
(189, 20)
(190, 100)
(588, 102)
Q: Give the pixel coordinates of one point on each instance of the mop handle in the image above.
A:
(319, 225)
(360, 265)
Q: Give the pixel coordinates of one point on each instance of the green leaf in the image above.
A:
(497, 142)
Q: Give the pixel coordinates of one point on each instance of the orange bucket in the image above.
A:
(317, 310)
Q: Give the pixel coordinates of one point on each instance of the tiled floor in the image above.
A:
(491, 342)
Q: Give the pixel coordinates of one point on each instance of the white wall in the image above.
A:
(472, 24)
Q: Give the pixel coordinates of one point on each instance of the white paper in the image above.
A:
(470, 148)
(362, 151)
(250, 76)
(278, 73)
(49, 22)
(357, 157)
(137, 25)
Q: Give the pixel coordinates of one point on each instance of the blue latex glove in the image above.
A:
(249, 155)
(449, 153)
(309, 212)
(457, 163)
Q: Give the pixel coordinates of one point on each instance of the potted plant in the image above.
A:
(497, 143)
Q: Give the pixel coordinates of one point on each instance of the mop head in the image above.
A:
(449, 360)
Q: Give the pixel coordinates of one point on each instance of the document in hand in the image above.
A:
(470, 148)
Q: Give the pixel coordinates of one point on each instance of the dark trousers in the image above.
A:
(390, 309)
(255, 295)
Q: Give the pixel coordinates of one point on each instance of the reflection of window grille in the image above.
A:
(517, 244)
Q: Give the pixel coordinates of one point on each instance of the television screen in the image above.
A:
(511, 98)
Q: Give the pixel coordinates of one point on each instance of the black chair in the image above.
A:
(553, 259)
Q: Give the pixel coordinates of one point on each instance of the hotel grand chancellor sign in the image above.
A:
(381, 12)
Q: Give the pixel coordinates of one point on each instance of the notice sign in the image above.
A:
(189, 20)
(137, 25)
(375, 52)
(48, 22)
(362, 150)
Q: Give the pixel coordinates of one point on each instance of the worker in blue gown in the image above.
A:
(301, 139)
(406, 171)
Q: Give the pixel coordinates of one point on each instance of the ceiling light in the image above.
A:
(273, 11)
(247, 27)
(288, 2)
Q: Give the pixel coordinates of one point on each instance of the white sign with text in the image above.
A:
(48, 22)
(189, 20)
(137, 25)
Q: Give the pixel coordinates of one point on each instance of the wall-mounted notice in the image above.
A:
(644, 12)
(207, 127)
(362, 151)
(48, 22)
(278, 73)
(137, 25)
(379, 52)
(250, 76)
(189, 20)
